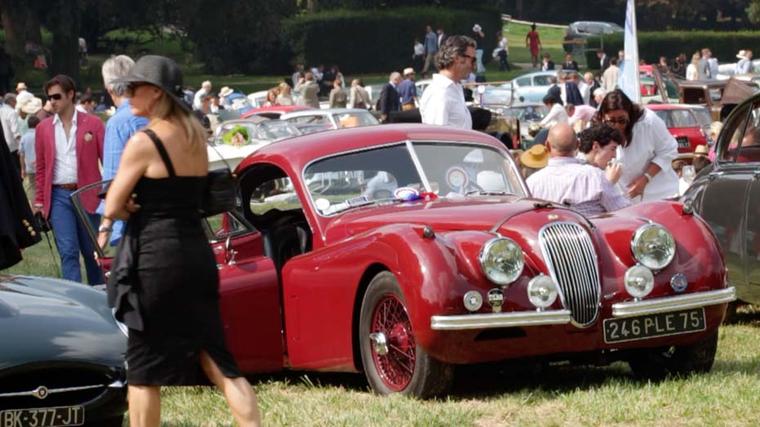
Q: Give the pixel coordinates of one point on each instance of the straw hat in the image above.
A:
(536, 157)
(701, 150)
(742, 54)
(31, 105)
(225, 91)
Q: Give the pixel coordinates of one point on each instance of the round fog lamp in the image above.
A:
(542, 291)
(639, 281)
(473, 301)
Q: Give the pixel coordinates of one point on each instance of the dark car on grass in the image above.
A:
(61, 355)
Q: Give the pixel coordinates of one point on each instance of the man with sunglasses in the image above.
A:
(443, 102)
(69, 147)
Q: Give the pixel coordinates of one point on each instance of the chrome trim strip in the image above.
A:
(499, 320)
(54, 390)
(675, 303)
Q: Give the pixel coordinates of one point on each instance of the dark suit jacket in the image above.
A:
(605, 62)
(549, 66)
(572, 65)
(389, 100)
(573, 94)
(556, 92)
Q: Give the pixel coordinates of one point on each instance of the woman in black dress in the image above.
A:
(169, 297)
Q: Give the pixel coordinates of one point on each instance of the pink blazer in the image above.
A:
(89, 149)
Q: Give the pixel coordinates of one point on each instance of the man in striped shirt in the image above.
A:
(572, 182)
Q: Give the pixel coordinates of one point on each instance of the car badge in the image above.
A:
(40, 392)
(496, 299)
(406, 194)
(679, 282)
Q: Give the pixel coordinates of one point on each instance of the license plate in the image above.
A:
(43, 417)
(683, 142)
(654, 325)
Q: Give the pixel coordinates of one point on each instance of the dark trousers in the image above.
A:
(16, 161)
(503, 63)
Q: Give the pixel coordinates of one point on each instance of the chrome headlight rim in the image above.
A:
(485, 252)
(642, 258)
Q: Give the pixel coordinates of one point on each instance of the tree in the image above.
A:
(753, 11)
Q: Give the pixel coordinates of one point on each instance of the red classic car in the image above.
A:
(403, 250)
(685, 123)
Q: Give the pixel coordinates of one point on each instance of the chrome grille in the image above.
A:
(570, 256)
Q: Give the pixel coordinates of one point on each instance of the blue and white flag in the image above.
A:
(629, 79)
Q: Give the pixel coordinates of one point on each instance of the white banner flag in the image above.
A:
(629, 79)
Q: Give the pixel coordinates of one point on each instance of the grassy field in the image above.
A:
(505, 395)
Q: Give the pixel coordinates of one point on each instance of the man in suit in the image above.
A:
(390, 100)
(69, 149)
(569, 63)
(309, 91)
(604, 60)
(547, 64)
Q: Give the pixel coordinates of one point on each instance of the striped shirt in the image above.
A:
(578, 185)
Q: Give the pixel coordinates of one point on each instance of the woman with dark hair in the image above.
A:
(165, 285)
(648, 149)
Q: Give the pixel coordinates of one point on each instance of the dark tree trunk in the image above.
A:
(63, 21)
(14, 14)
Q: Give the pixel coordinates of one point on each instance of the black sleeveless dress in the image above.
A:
(176, 284)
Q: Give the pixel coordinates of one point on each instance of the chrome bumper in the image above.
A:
(680, 302)
(499, 320)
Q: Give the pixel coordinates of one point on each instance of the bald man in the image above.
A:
(572, 182)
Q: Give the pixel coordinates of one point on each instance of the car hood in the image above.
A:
(471, 213)
(50, 320)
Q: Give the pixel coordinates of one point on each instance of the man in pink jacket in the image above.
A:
(69, 147)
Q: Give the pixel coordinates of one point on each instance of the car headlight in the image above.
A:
(502, 260)
(653, 246)
(639, 281)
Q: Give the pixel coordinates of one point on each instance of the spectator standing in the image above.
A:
(389, 101)
(502, 51)
(610, 76)
(604, 60)
(569, 63)
(533, 42)
(358, 96)
(443, 102)
(308, 90)
(204, 90)
(9, 122)
(407, 90)
(26, 151)
(68, 148)
(557, 113)
(297, 74)
(171, 302)
(744, 66)
(284, 97)
(431, 48)
(418, 55)
(703, 67)
(679, 66)
(547, 64)
(119, 128)
(440, 37)
(587, 87)
(712, 65)
(480, 39)
(338, 97)
(648, 149)
(570, 181)
(692, 70)
(662, 65)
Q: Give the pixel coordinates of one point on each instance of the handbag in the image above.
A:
(220, 194)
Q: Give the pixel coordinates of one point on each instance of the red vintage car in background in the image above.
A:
(685, 123)
(401, 251)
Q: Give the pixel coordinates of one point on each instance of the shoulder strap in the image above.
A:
(161, 151)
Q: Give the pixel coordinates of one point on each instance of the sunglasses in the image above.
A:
(55, 96)
(616, 121)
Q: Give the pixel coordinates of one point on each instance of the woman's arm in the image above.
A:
(132, 167)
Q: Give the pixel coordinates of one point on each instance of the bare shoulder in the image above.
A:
(140, 144)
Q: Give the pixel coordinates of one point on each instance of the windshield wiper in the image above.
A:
(488, 193)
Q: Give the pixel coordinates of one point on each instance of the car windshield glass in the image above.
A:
(276, 129)
(494, 95)
(455, 170)
(541, 80)
(681, 119)
(703, 116)
(351, 120)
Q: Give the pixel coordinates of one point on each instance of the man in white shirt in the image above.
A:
(610, 76)
(579, 116)
(442, 102)
(572, 182)
(9, 121)
(203, 91)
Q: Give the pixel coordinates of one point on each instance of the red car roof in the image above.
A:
(274, 109)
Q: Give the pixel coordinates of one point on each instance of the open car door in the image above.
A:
(248, 287)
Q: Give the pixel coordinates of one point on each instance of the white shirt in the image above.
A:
(744, 66)
(692, 73)
(556, 115)
(419, 49)
(610, 78)
(197, 98)
(504, 44)
(651, 143)
(65, 167)
(9, 121)
(442, 103)
(582, 112)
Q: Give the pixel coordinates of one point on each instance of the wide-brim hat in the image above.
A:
(701, 150)
(161, 72)
(742, 54)
(536, 157)
(225, 91)
(31, 105)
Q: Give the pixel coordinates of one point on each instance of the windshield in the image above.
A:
(277, 129)
(369, 177)
(351, 120)
(677, 118)
(530, 113)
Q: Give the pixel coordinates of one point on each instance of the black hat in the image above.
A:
(159, 71)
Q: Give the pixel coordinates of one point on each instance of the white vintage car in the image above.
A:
(233, 140)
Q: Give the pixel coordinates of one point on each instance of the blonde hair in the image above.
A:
(166, 108)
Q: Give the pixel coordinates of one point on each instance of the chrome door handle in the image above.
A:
(714, 175)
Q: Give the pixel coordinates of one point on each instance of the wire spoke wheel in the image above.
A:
(396, 367)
